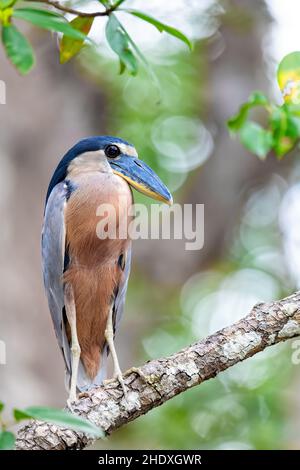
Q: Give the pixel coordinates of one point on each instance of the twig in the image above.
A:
(83, 14)
(162, 379)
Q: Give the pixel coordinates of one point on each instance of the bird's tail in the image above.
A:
(84, 382)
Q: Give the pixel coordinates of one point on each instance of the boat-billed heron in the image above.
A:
(86, 276)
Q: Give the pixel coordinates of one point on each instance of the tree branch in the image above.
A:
(83, 14)
(161, 379)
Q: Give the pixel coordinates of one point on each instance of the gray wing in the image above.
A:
(53, 254)
(121, 295)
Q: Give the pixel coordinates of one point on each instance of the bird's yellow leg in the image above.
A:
(75, 347)
(109, 336)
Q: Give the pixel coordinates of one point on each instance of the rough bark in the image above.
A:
(161, 379)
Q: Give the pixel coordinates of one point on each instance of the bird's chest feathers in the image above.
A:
(96, 195)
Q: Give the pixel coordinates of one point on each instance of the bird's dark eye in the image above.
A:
(112, 151)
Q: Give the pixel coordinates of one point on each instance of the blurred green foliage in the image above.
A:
(282, 133)
(242, 407)
(138, 110)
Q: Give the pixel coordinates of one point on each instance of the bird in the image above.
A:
(86, 276)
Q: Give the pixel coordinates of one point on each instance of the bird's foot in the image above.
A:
(71, 399)
(148, 379)
(117, 376)
(138, 371)
(108, 381)
(69, 405)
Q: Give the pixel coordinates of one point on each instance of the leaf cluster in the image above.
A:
(281, 134)
(74, 34)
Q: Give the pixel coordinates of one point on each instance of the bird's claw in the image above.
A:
(138, 371)
(122, 383)
(69, 404)
(120, 379)
(108, 381)
(147, 379)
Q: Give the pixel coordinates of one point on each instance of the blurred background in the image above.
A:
(252, 243)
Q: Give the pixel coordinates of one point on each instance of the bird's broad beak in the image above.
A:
(141, 177)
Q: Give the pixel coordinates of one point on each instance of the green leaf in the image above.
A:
(122, 67)
(255, 99)
(39, 5)
(6, 4)
(292, 108)
(109, 4)
(70, 47)
(17, 49)
(118, 40)
(293, 126)
(48, 20)
(59, 417)
(256, 139)
(7, 440)
(20, 415)
(285, 126)
(145, 63)
(118, 3)
(139, 55)
(1, 406)
(161, 26)
(283, 145)
(288, 76)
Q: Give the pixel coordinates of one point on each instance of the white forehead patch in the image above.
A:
(89, 161)
(126, 149)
